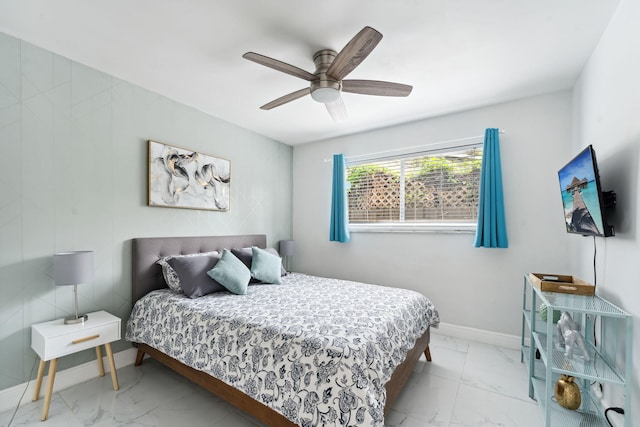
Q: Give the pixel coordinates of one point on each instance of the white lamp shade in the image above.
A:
(287, 247)
(73, 268)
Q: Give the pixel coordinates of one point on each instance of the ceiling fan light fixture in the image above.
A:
(325, 94)
(325, 90)
(327, 82)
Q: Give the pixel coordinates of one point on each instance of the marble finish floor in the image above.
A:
(467, 384)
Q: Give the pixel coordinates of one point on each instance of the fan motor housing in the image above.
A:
(326, 83)
(324, 89)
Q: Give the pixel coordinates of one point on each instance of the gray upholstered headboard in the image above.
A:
(147, 275)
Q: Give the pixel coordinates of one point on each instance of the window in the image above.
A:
(435, 190)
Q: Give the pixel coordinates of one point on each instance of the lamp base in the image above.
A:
(78, 318)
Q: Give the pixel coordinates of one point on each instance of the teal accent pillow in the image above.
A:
(231, 273)
(265, 267)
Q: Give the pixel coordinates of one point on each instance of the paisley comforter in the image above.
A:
(319, 351)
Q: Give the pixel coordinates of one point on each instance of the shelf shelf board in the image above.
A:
(581, 303)
(595, 369)
(582, 417)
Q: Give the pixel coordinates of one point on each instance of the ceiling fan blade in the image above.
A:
(287, 98)
(354, 53)
(375, 87)
(337, 110)
(279, 66)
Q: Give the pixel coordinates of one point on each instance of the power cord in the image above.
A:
(23, 392)
(614, 409)
(595, 282)
(595, 365)
(595, 277)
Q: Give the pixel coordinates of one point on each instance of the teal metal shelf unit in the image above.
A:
(541, 335)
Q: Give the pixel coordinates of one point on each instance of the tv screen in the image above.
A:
(582, 197)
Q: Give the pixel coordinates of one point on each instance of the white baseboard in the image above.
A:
(9, 397)
(481, 335)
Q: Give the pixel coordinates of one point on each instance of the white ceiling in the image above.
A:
(457, 54)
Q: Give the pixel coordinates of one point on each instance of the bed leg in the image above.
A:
(427, 354)
(139, 357)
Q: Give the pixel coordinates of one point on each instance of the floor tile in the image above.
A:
(496, 369)
(475, 407)
(451, 343)
(466, 384)
(398, 419)
(142, 389)
(428, 398)
(29, 415)
(446, 363)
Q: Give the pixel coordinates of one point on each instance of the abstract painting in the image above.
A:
(180, 178)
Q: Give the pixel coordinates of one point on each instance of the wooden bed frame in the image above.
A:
(147, 276)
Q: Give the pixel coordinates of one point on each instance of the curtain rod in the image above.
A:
(501, 132)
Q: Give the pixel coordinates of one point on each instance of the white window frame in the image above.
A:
(411, 227)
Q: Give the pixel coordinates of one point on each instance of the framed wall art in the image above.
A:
(180, 178)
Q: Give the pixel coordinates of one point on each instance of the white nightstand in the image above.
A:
(54, 339)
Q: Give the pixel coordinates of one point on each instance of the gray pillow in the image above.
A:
(170, 277)
(243, 254)
(192, 272)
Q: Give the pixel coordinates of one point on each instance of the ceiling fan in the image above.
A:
(332, 67)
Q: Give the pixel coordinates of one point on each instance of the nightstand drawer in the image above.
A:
(87, 338)
(55, 339)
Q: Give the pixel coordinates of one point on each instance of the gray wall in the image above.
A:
(473, 287)
(606, 107)
(73, 174)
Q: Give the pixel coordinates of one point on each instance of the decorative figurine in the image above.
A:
(567, 392)
(569, 337)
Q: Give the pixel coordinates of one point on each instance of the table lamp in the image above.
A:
(287, 248)
(73, 268)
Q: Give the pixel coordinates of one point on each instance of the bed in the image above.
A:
(343, 366)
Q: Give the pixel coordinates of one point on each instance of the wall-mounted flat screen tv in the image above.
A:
(582, 196)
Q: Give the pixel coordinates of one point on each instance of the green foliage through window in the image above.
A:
(426, 189)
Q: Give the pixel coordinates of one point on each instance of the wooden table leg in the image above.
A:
(36, 394)
(53, 365)
(100, 362)
(112, 366)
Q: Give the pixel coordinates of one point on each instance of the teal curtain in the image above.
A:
(492, 229)
(339, 206)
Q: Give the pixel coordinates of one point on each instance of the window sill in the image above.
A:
(464, 228)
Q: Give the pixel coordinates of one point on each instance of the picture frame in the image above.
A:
(181, 178)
